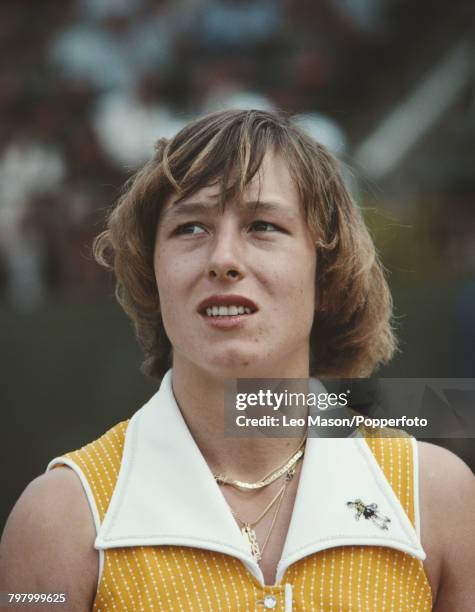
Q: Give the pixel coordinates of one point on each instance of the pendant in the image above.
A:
(291, 473)
(251, 538)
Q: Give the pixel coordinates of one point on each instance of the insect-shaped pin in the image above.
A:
(370, 512)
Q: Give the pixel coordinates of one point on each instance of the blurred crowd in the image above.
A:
(87, 86)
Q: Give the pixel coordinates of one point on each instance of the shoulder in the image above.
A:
(447, 484)
(48, 541)
(435, 456)
(445, 479)
(447, 506)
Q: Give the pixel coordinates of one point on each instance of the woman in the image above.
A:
(239, 254)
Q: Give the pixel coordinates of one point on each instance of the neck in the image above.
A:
(200, 396)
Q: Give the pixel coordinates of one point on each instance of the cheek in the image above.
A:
(171, 306)
(294, 277)
(165, 278)
(174, 276)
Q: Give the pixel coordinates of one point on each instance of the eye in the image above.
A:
(191, 229)
(265, 226)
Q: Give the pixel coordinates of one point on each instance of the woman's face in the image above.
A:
(237, 288)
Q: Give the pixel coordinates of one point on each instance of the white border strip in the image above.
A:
(415, 461)
(288, 597)
(90, 498)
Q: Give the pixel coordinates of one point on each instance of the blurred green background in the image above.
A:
(86, 86)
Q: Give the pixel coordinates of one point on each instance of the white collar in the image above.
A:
(166, 494)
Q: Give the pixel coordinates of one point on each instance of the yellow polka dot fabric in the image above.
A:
(175, 578)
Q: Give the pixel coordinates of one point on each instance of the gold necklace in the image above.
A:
(270, 477)
(247, 528)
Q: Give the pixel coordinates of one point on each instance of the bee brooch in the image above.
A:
(369, 512)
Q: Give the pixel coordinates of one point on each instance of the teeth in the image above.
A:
(226, 311)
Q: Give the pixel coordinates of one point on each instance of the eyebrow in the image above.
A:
(181, 209)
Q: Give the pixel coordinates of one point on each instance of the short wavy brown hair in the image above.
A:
(351, 332)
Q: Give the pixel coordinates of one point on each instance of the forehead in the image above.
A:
(272, 184)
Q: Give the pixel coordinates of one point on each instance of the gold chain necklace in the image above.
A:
(247, 528)
(270, 477)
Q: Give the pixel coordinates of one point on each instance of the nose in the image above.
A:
(225, 261)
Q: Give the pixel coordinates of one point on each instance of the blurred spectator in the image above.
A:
(99, 10)
(116, 49)
(232, 94)
(367, 15)
(28, 168)
(325, 130)
(234, 23)
(129, 123)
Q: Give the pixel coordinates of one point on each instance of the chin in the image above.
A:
(235, 364)
(243, 366)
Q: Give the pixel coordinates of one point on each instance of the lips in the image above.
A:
(227, 300)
